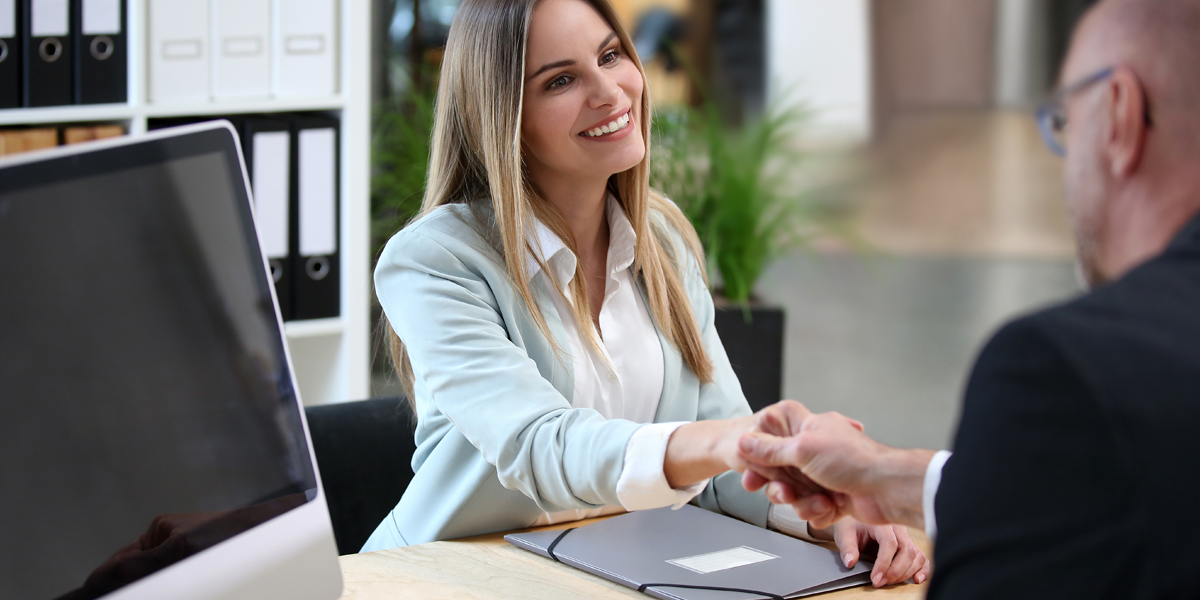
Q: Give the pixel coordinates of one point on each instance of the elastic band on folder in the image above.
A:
(642, 589)
(558, 539)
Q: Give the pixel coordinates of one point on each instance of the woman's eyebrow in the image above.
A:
(548, 66)
(568, 63)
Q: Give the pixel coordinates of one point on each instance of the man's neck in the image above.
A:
(1141, 225)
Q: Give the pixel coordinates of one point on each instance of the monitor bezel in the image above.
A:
(291, 555)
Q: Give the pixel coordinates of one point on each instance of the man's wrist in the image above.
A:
(900, 484)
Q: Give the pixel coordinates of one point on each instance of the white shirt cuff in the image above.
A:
(933, 479)
(643, 484)
(783, 518)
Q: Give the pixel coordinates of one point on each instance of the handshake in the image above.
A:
(827, 468)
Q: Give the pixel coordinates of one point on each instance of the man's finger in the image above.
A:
(769, 450)
(752, 481)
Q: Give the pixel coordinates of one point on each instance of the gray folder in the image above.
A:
(675, 554)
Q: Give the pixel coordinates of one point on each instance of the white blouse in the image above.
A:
(631, 387)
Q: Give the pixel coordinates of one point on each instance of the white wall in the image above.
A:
(820, 52)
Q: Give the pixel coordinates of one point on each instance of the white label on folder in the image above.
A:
(50, 18)
(271, 156)
(243, 46)
(305, 44)
(182, 49)
(8, 18)
(101, 17)
(318, 217)
(724, 559)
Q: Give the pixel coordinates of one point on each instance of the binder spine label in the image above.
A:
(8, 18)
(271, 151)
(318, 216)
(50, 18)
(101, 17)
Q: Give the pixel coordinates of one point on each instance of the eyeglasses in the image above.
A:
(1052, 114)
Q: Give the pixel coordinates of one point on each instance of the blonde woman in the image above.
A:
(550, 316)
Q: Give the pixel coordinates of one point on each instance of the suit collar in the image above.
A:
(1188, 238)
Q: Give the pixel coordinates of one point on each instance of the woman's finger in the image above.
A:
(887, 552)
(845, 536)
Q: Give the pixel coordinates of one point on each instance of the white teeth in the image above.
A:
(620, 123)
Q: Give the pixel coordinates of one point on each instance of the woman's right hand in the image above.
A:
(703, 449)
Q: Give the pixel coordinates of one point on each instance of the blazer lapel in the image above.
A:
(562, 369)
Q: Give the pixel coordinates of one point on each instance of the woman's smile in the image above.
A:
(609, 130)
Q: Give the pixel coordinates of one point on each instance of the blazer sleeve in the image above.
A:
(722, 398)
(489, 388)
(1038, 500)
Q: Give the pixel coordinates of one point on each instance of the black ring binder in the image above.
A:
(317, 267)
(102, 47)
(49, 43)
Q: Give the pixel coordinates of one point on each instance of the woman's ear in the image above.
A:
(1127, 123)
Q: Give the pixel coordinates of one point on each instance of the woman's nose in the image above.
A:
(605, 91)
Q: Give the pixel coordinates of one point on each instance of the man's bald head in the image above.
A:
(1133, 137)
(1159, 40)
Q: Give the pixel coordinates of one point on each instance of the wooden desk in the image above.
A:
(488, 568)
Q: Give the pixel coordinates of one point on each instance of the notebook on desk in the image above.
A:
(694, 554)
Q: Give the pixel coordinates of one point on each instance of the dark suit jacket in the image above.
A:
(1076, 467)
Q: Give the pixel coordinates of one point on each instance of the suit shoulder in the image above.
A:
(446, 231)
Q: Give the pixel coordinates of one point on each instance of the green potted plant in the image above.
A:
(742, 190)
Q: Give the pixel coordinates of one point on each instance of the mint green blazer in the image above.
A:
(498, 441)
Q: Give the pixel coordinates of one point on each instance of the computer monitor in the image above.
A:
(152, 441)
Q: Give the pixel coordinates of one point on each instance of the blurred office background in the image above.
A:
(920, 110)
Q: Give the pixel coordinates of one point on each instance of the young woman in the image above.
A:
(550, 315)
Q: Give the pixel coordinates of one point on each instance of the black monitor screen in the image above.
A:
(146, 403)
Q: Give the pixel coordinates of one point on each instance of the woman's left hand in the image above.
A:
(897, 558)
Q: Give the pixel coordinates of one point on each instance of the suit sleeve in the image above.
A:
(721, 398)
(1036, 501)
(561, 457)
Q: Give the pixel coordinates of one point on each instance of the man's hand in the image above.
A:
(827, 468)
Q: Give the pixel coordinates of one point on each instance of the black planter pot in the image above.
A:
(755, 350)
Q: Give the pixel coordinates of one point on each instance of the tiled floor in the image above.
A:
(890, 341)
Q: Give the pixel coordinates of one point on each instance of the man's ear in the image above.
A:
(1127, 122)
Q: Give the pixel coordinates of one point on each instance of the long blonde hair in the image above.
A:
(476, 157)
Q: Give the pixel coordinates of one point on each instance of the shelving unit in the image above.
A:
(331, 356)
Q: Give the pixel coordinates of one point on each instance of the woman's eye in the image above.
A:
(558, 82)
(610, 57)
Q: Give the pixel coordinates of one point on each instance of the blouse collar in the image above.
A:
(622, 247)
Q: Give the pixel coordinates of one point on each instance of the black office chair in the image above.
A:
(364, 451)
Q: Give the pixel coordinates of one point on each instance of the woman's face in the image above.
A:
(583, 96)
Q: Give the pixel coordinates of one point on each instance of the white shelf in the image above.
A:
(66, 114)
(314, 328)
(231, 107)
(331, 356)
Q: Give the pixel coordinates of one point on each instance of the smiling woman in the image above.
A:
(549, 314)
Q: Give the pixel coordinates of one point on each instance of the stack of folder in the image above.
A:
(217, 49)
(56, 52)
(293, 165)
